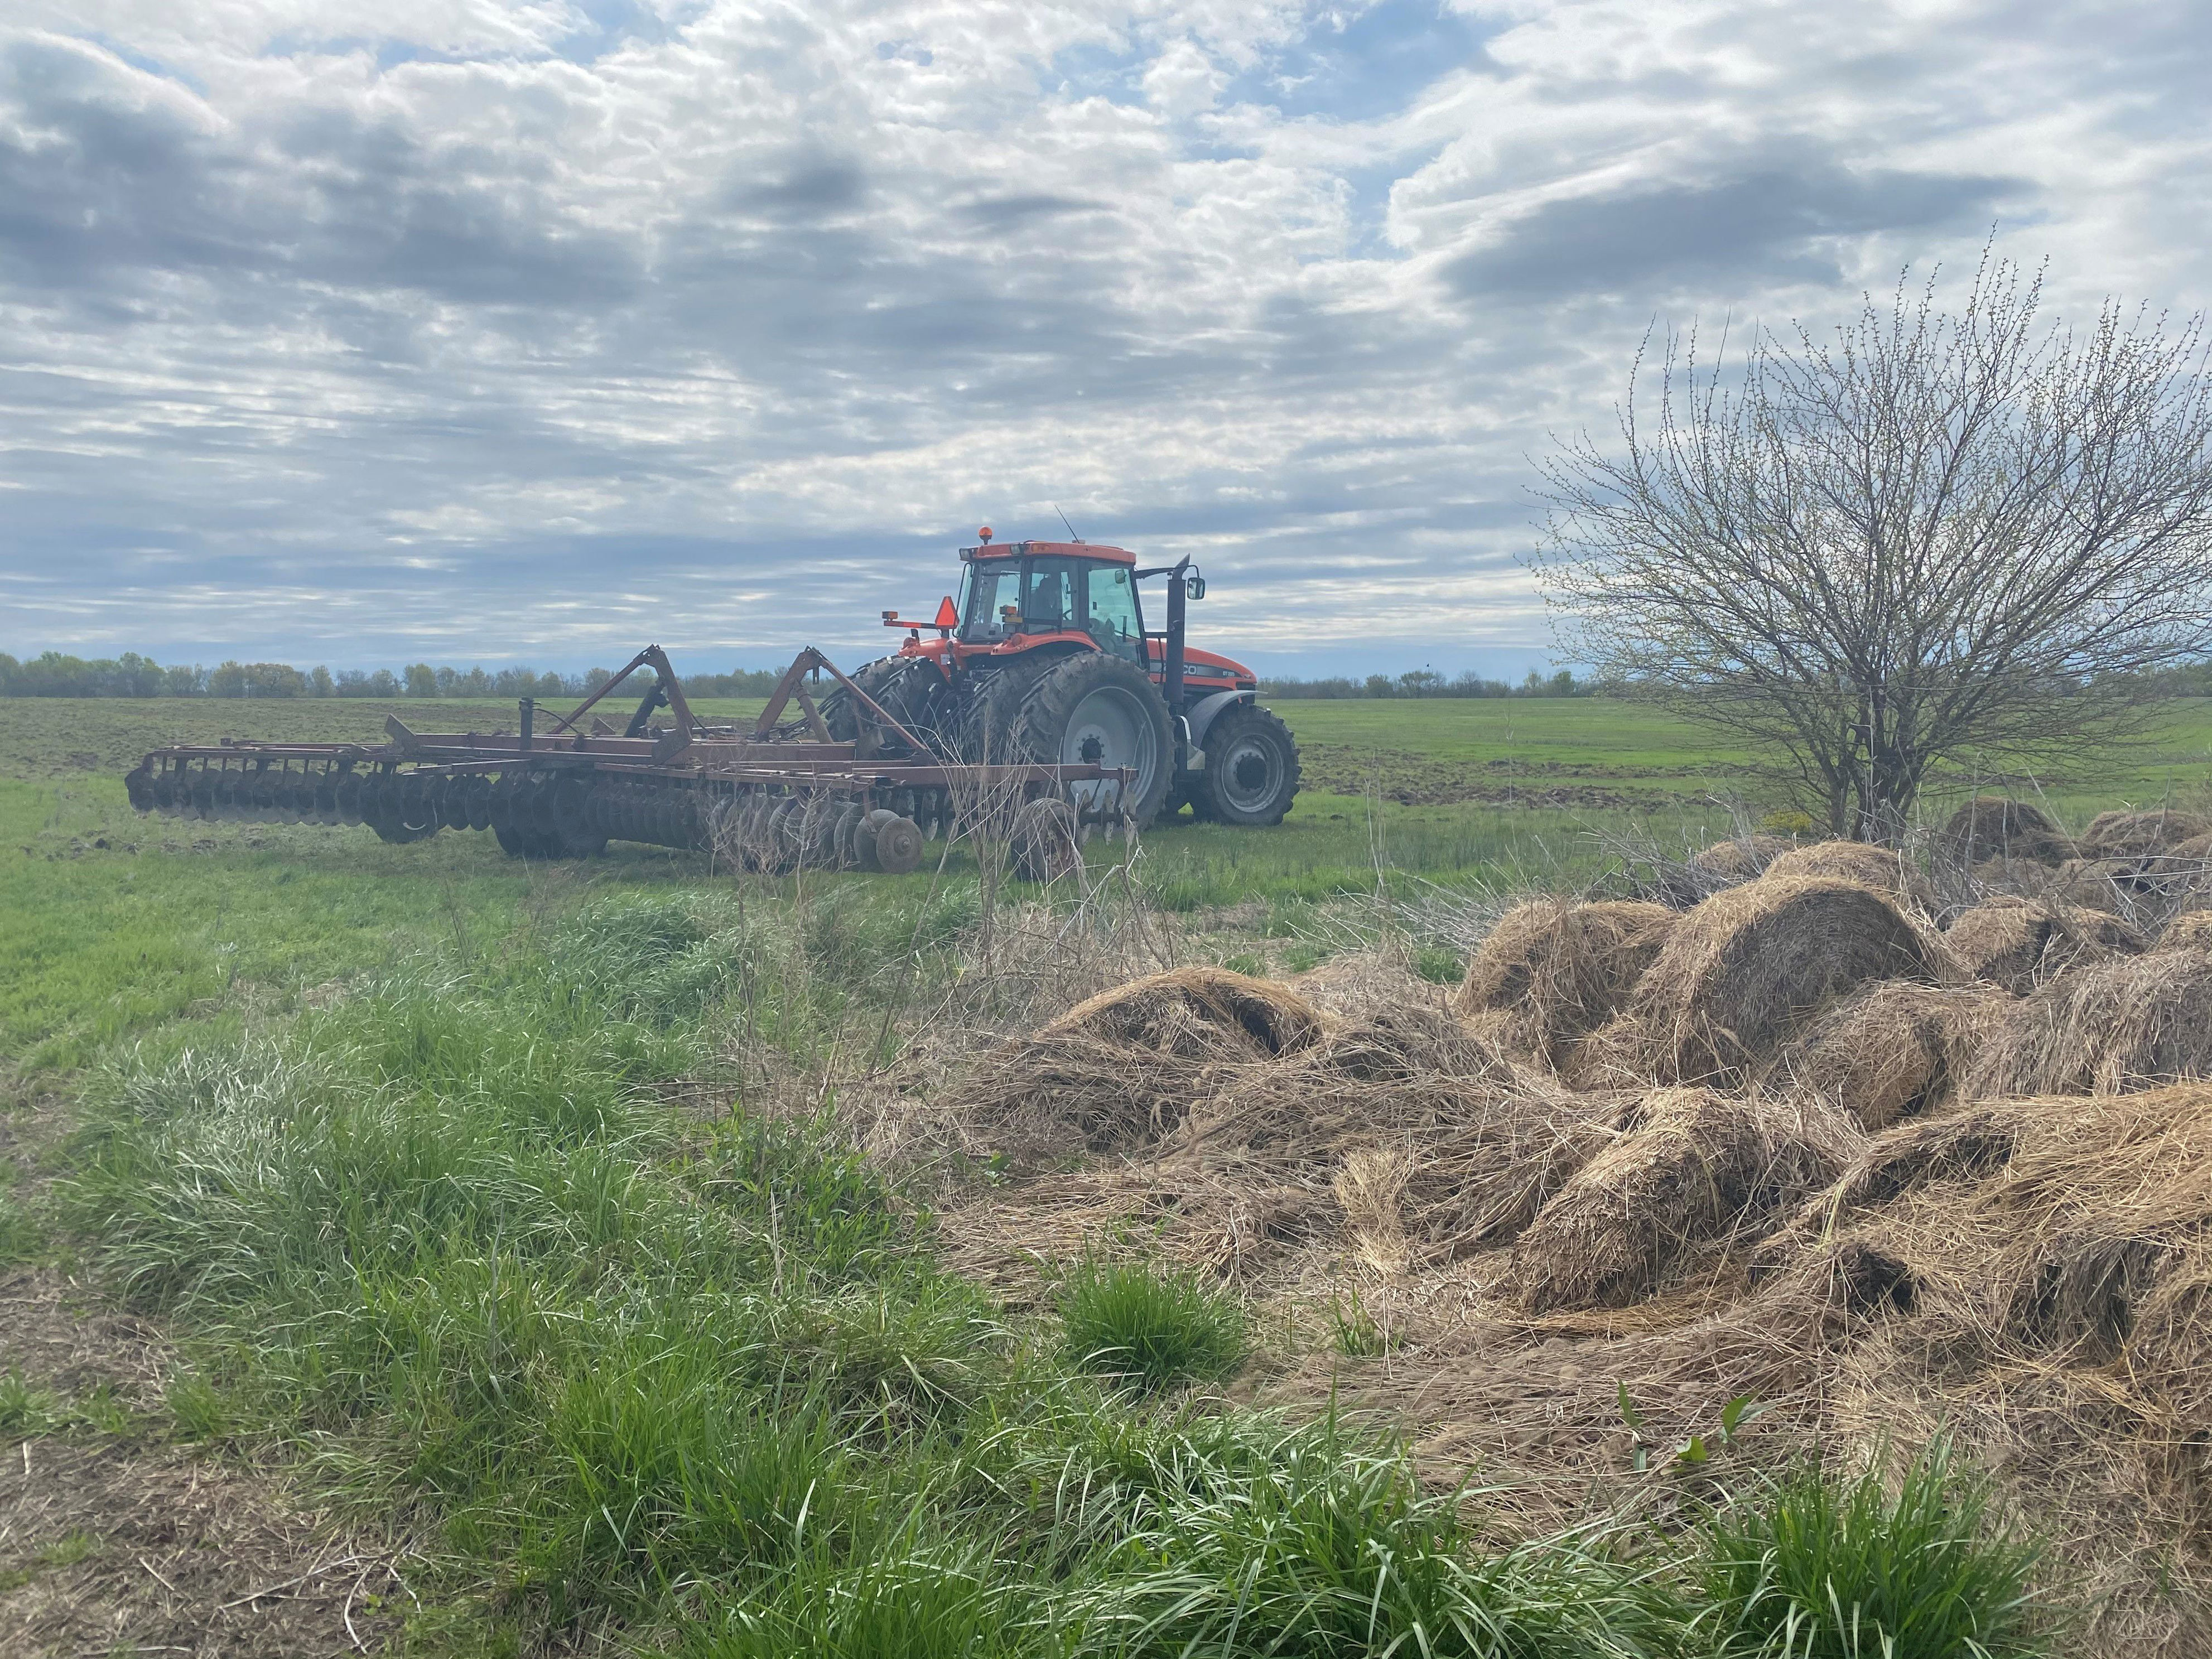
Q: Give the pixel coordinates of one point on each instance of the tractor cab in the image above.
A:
(1016, 593)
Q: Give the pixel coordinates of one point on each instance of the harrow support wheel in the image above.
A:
(865, 833)
(898, 847)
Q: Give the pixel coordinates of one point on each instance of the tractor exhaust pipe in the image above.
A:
(1176, 600)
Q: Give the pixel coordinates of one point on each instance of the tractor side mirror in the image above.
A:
(1193, 586)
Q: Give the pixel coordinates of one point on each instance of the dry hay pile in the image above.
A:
(1884, 869)
(2020, 944)
(1120, 1070)
(2034, 1276)
(1895, 1049)
(1992, 827)
(2129, 835)
(1557, 970)
(1408, 1137)
(2190, 931)
(1692, 1168)
(1743, 971)
(2107, 1029)
(1742, 858)
(1775, 1143)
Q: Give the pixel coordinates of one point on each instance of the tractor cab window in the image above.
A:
(1050, 594)
(993, 589)
(1112, 618)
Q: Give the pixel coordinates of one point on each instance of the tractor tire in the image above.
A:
(1106, 711)
(910, 690)
(1251, 774)
(990, 717)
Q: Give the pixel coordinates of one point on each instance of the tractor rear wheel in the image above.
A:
(1104, 711)
(910, 690)
(1251, 772)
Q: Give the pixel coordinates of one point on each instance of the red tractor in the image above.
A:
(1045, 659)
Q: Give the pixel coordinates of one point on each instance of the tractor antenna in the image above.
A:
(1071, 535)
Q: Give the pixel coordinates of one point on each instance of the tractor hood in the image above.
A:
(1207, 665)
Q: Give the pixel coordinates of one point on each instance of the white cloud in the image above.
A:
(334, 328)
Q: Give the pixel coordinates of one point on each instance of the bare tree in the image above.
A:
(1930, 537)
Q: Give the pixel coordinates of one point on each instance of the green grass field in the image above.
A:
(451, 1176)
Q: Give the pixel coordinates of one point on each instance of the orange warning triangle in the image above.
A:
(946, 616)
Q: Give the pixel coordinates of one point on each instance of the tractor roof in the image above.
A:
(1050, 550)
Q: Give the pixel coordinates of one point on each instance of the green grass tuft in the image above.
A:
(27, 1409)
(1438, 965)
(197, 1407)
(1151, 1325)
(1815, 1568)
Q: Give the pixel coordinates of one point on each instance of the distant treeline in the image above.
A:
(53, 674)
(1427, 683)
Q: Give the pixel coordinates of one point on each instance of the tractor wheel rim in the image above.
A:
(1110, 728)
(1249, 773)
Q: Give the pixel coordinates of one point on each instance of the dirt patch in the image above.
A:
(1412, 779)
(124, 1543)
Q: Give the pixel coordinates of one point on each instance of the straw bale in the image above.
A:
(1172, 1010)
(1122, 1068)
(2019, 943)
(2115, 1027)
(2022, 877)
(1891, 1050)
(1744, 970)
(1992, 827)
(2170, 1340)
(2190, 931)
(1402, 1044)
(2129, 835)
(1741, 859)
(1355, 983)
(1559, 969)
(1882, 868)
(1691, 1166)
(1967, 1146)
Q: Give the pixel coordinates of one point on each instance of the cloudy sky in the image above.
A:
(355, 330)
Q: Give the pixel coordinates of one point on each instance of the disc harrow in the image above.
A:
(779, 796)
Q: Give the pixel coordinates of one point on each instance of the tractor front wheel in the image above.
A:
(1251, 768)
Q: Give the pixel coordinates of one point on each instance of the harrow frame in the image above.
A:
(781, 795)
